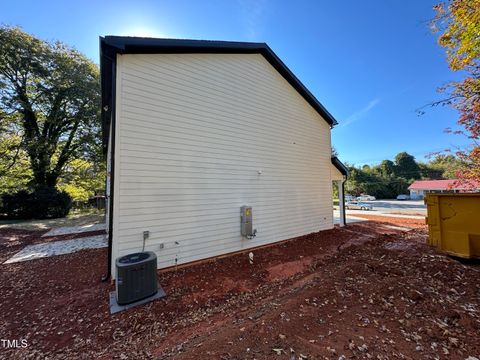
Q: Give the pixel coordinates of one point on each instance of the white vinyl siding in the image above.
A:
(192, 133)
(336, 174)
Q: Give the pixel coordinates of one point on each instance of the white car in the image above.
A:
(366, 198)
(349, 198)
(358, 205)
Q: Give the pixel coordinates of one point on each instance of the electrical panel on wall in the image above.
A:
(246, 222)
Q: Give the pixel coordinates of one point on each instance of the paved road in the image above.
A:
(407, 207)
(413, 208)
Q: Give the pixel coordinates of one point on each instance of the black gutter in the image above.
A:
(108, 71)
(344, 211)
(340, 166)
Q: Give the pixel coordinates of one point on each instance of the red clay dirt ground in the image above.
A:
(365, 291)
(395, 221)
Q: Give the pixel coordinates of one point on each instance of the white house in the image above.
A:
(194, 131)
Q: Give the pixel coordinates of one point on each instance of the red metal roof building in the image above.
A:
(419, 188)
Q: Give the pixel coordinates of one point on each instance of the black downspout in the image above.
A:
(343, 200)
(112, 165)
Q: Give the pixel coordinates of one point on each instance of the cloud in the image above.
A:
(253, 16)
(359, 114)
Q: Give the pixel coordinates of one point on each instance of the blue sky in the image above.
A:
(370, 63)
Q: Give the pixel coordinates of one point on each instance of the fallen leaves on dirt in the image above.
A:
(354, 293)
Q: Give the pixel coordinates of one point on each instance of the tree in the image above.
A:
(82, 179)
(431, 172)
(446, 165)
(15, 173)
(52, 92)
(406, 166)
(458, 22)
(389, 179)
(386, 168)
(368, 180)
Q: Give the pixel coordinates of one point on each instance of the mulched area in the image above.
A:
(364, 291)
(13, 240)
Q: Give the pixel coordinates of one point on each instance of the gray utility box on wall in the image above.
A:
(246, 221)
(136, 277)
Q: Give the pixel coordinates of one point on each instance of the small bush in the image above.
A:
(16, 205)
(42, 203)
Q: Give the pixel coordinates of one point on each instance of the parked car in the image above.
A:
(349, 198)
(366, 198)
(358, 205)
(403, 197)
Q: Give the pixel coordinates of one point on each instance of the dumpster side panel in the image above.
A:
(433, 220)
(456, 243)
(475, 244)
(454, 223)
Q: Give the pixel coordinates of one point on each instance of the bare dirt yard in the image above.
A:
(369, 290)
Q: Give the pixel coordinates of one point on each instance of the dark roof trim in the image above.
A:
(112, 45)
(339, 165)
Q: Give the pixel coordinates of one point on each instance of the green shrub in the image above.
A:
(42, 203)
(16, 205)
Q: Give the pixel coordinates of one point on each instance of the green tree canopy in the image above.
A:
(386, 168)
(15, 173)
(447, 164)
(52, 94)
(82, 179)
(406, 166)
(389, 179)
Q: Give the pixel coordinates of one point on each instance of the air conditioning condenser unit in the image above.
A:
(136, 277)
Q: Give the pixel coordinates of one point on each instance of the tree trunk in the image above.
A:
(51, 179)
(41, 149)
(40, 153)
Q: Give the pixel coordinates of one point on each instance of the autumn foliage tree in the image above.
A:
(458, 25)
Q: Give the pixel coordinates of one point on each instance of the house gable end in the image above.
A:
(112, 45)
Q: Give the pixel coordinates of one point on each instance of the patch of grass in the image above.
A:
(86, 211)
(75, 218)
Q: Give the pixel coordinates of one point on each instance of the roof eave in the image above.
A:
(111, 45)
(340, 166)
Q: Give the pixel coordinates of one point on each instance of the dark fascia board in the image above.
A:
(339, 165)
(112, 45)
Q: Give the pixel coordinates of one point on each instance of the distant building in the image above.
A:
(419, 188)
